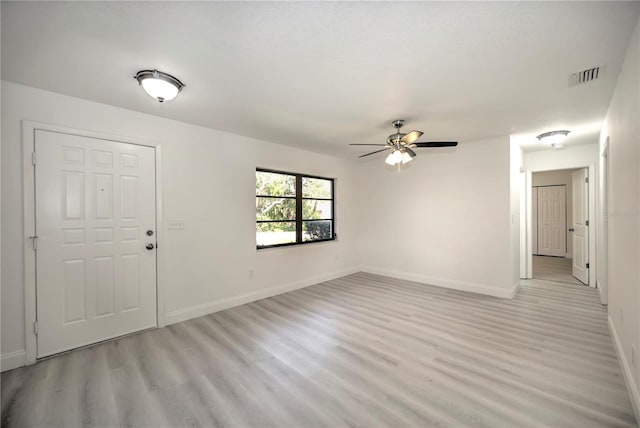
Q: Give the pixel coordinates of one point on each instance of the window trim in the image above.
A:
(299, 198)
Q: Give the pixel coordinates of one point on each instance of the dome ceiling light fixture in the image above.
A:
(553, 138)
(161, 86)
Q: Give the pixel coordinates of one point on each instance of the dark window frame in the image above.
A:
(299, 198)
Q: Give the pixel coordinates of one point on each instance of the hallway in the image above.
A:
(554, 269)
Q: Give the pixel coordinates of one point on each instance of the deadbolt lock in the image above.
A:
(149, 232)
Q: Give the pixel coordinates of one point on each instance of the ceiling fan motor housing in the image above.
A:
(394, 139)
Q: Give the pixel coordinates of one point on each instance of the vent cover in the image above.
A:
(585, 76)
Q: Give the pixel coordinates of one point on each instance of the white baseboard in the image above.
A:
(514, 289)
(627, 375)
(12, 360)
(220, 305)
(603, 299)
(506, 293)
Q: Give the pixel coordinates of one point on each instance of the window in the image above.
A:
(293, 209)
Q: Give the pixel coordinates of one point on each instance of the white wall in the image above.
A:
(558, 178)
(444, 219)
(622, 126)
(209, 182)
(552, 178)
(565, 158)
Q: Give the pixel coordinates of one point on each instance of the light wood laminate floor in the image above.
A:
(554, 269)
(360, 351)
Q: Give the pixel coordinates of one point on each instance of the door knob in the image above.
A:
(150, 247)
(571, 229)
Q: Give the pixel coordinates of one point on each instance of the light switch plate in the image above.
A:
(176, 224)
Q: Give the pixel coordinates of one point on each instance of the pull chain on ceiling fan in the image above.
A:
(402, 145)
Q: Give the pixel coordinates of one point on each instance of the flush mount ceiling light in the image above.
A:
(161, 86)
(552, 138)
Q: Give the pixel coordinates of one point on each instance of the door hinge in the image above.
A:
(586, 180)
(34, 242)
(35, 328)
(587, 223)
(33, 158)
(587, 265)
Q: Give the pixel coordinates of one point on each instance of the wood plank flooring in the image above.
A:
(359, 351)
(554, 269)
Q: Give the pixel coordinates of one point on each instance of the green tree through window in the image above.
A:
(293, 208)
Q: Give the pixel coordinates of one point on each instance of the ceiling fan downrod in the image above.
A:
(394, 139)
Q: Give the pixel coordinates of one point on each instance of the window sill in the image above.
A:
(296, 244)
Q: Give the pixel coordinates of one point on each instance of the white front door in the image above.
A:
(552, 221)
(580, 224)
(95, 202)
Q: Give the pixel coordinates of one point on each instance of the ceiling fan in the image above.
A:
(402, 145)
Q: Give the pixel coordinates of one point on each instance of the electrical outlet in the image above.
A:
(175, 224)
(252, 273)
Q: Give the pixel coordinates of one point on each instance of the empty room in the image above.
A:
(320, 214)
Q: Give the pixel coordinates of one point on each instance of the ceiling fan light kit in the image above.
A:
(402, 145)
(397, 157)
(553, 138)
(161, 86)
(406, 157)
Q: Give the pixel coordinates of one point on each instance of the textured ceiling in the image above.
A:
(322, 75)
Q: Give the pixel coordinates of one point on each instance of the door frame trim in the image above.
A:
(29, 222)
(604, 184)
(593, 194)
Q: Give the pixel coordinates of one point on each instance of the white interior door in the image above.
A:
(552, 221)
(580, 223)
(95, 202)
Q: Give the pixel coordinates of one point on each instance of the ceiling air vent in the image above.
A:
(585, 76)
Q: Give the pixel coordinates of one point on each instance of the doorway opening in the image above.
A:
(556, 269)
(558, 225)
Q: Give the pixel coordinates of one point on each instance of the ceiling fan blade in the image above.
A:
(411, 152)
(372, 153)
(437, 144)
(411, 137)
(354, 144)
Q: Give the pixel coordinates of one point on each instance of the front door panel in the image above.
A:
(95, 199)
